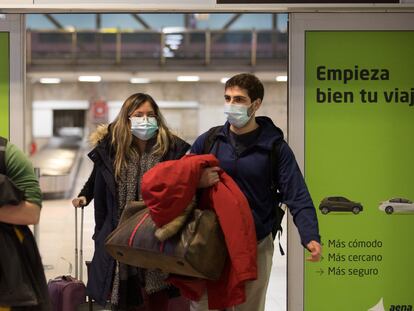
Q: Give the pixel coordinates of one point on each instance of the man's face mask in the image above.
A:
(144, 128)
(237, 115)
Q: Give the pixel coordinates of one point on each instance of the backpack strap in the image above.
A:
(274, 168)
(3, 144)
(211, 138)
(278, 211)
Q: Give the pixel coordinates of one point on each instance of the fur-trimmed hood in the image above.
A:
(177, 150)
(101, 131)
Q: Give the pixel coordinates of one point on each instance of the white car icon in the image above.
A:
(397, 205)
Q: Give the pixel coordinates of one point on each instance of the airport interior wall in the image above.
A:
(187, 122)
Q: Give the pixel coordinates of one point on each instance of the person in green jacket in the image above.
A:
(16, 166)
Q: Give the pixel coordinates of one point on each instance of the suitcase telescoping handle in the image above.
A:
(79, 259)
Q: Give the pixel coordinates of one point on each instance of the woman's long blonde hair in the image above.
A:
(122, 139)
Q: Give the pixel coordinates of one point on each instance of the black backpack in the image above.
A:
(277, 230)
(3, 143)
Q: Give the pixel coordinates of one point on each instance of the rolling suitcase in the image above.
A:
(67, 292)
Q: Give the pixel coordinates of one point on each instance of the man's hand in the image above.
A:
(209, 177)
(315, 249)
(78, 202)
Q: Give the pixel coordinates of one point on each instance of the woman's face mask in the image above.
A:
(144, 128)
(237, 115)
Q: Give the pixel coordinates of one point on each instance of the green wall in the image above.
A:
(4, 84)
(361, 148)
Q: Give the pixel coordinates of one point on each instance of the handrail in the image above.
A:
(103, 31)
(118, 46)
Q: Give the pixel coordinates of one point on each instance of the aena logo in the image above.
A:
(401, 308)
(380, 307)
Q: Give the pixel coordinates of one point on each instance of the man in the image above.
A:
(16, 166)
(243, 146)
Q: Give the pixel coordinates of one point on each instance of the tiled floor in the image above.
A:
(56, 242)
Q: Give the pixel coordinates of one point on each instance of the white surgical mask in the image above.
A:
(144, 128)
(237, 115)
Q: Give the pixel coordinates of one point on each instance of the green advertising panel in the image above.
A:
(4, 84)
(359, 166)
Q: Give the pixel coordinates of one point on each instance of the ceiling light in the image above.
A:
(281, 78)
(201, 17)
(173, 29)
(70, 28)
(109, 30)
(50, 80)
(188, 78)
(89, 78)
(137, 80)
(224, 80)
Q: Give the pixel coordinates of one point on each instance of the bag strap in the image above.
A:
(3, 144)
(274, 172)
(274, 169)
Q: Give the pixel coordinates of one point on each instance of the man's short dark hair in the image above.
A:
(248, 82)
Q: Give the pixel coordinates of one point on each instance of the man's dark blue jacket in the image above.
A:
(251, 171)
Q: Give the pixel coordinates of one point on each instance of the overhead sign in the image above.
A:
(359, 121)
(99, 111)
(4, 84)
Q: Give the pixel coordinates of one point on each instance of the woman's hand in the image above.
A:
(78, 202)
(209, 177)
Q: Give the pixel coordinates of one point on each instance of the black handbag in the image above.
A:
(16, 286)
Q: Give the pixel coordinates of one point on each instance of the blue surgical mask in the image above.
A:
(144, 128)
(237, 115)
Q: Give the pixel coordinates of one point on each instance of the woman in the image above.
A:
(136, 141)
